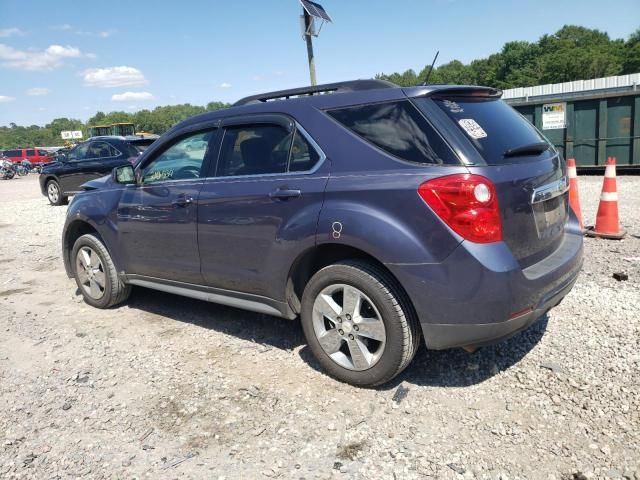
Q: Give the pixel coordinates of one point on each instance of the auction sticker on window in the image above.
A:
(472, 128)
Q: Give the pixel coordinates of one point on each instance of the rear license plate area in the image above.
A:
(550, 216)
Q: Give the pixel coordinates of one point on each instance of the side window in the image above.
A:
(13, 153)
(254, 150)
(31, 153)
(303, 156)
(102, 150)
(78, 153)
(399, 129)
(42, 153)
(181, 161)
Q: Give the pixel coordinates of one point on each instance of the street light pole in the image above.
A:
(312, 61)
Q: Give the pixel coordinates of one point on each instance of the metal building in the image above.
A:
(588, 120)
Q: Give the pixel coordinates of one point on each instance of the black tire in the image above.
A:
(400, 322)
(53, 199)
(115, 291)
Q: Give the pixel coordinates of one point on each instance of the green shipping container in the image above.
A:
(588, 120)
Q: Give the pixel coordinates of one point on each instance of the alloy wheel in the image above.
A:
(90, 272)
(53, 192)
(349, 327)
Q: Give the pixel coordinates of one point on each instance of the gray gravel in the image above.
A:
(167, 387)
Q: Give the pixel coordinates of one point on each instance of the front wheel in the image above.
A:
(359, 323)
(95, 273)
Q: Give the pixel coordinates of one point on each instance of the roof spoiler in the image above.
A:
(467, 91)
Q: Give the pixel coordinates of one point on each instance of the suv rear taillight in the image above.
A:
(467, 203)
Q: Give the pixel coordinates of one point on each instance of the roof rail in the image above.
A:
(340, 87)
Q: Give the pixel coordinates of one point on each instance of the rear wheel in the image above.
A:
(96, 275)
(54, 194)
(358, 323)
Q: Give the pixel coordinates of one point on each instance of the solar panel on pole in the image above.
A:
(315, 10)
(312, 11)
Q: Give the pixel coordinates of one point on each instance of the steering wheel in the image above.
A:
(187, 172)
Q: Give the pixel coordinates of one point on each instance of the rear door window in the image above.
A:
(31, 153)
(399, 129)
(254, 150)
(491, 125)
(102, 150)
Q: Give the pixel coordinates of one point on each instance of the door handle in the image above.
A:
(182, 201)
(284, 194)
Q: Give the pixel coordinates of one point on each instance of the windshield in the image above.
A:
(493, 127)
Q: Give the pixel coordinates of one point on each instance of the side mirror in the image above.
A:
(124, 175)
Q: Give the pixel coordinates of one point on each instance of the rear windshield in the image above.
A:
(399, 129)
(491, 125)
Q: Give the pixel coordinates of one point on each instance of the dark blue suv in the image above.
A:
(375, 214)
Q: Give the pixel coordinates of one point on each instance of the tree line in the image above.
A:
(572, 53)
(158, 121)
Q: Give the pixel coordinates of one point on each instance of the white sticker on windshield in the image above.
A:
(472, 128)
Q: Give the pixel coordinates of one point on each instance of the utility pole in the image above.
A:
(308, 26)
(313, 15)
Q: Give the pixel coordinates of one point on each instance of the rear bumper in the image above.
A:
(473, 297)
(439, 336)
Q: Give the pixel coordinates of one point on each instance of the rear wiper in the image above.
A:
(531, 149)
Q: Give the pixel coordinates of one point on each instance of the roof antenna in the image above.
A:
(426, 80)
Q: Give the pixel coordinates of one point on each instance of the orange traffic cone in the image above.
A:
(607, 222)
(574, 197)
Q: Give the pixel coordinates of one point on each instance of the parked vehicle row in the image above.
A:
(9, 169)
(32, 155)
(86, 161)
(376, 214)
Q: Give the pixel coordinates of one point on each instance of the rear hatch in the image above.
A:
(528, 172)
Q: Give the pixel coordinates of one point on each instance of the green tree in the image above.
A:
(572, 53)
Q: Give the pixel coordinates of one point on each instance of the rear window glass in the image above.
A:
(303, 156)
(140, 145)
(399, 129)
(254, 150)
(491, 125)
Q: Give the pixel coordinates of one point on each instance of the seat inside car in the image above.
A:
(253, 151)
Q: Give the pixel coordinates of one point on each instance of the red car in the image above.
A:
(33, 155)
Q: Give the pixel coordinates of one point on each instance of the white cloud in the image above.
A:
(132, 97)
(48, 59)
(9, 32)
(114, 77)
(38, 91)
(225, 85)
(5, 99)
(84, 33)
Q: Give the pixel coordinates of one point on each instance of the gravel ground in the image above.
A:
(168, 387)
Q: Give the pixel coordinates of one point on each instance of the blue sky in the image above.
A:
(71, 59)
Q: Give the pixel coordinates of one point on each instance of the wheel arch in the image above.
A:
(72, 232)
(314, 259)
(45, 181)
